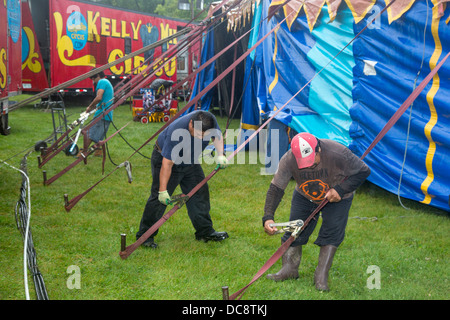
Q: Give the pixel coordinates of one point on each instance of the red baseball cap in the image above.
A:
(303, 147)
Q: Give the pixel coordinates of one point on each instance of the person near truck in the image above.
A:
(322, 169)
(104, 98)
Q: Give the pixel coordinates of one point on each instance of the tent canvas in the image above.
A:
(351, 99)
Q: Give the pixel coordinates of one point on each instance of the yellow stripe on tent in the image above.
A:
(430, 99)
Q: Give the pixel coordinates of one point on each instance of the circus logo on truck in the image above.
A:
(65, 45)
(77, 30)
(85, 36)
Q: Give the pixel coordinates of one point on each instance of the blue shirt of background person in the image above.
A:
(106, 99)
(169, 138)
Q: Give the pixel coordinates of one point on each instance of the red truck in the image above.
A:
(50, 42)
(10, 57)
(76, 36)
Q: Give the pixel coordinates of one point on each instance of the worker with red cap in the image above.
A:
(321, 169)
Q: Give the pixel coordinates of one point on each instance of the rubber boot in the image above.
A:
(290, 262)
(326, 256)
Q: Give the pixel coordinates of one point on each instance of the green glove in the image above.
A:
(164, 197)
(222, 162)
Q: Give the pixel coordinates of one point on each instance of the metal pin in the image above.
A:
(66, 199)
(39, 160)
(225, 294)
(123, 242)
(45, 177)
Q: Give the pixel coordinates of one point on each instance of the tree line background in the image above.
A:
(167, 8)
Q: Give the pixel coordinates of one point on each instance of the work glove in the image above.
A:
(222, 162)
(164, 197)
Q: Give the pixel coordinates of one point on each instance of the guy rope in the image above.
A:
(138, 82)
(66, 84)
(70, 204)
(131, 248)
(126, 251)
(194, 33)
(380, 135)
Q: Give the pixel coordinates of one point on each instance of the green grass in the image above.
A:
(409, 246)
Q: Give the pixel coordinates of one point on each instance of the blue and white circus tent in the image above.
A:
(351, 98)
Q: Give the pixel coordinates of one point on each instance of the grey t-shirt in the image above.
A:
(337, 163)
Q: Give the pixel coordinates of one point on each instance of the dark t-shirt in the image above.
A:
(178, 145)
(336, 163)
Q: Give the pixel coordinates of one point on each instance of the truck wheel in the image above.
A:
(4, 127)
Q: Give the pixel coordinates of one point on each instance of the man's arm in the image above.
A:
(221, 159)
(96, 100)
(276, 191)
(218, 144)
(165, 173)
(273, 199)
(164, 176)
(357, 172)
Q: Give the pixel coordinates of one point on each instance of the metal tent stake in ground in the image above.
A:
(386, 128)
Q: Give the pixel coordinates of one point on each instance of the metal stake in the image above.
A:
(66, 199)
(225, 294)
(123, 242)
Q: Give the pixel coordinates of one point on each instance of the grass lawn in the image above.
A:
(410, 247)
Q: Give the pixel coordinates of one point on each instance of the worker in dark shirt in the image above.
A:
(321, 169)
(175, 161)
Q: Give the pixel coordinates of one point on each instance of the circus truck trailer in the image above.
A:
(10, 58)
(73, 37)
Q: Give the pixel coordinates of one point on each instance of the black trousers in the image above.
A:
(334, 221)
(187, 177)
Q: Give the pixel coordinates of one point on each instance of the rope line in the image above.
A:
(22, 216)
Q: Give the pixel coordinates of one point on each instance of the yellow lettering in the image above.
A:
(136, 30)
(166, 31)
(3, 75)
(138, 64)
(113, 56)
(158, 63)
(128, 66)
(105, 24)
(114, 32)
(77, 36)
(92, 27)
(125, 34)
(64, 45)
(174, 41)
(170, 67)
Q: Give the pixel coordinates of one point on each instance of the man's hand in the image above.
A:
(164, 197)
(333, 196)
(222, 162)
(268, 229)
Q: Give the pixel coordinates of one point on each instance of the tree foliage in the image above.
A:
(167, 8)
(170, 9)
